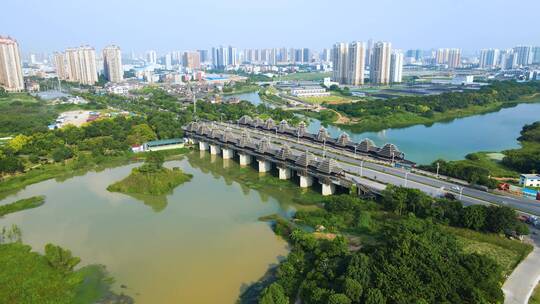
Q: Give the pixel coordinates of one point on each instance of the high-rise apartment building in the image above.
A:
(450, 57)
(192, 60)
(536, 55)
(523, 55)
(11, 77)
(339, 60)
(380, 63)
(61, 66)
(508, 59)
(396, 66)
(112, 63)
(489, 58)
(349, 60)
(414, 54)
(220, 57)
(151, 57)
(232, 56)
(81, 65)
(203, 55)
(369, 52)
(326, 55)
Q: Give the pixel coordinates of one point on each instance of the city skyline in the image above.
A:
(43, 28)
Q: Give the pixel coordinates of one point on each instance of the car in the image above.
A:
(456, 188)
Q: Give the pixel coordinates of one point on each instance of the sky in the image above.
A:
(167, 25)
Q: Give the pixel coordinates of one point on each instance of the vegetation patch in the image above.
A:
(151, 178)
(22, 204)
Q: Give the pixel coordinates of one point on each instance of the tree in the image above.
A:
(353, 289)
(273, 294)
(61, 259)
(3, 92)
(474, 217)
(62, 153)
(140, 134)
(339, 298)
(500, 219)
(18, 142)
(374, 296)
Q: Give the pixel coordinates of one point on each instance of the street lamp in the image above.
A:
(406, 174)
(361, 168)
(460, 192)
(354, 151)
(324, 148)
(438, 169)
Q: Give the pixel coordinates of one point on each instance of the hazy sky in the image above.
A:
(164, 25)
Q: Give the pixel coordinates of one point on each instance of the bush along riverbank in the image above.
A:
(151, 178)
(22, 204)
(376, 115)
(51, 277)
(406, 247)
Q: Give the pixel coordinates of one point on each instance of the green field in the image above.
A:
(310, 76)
(334, 98)
(507, 253)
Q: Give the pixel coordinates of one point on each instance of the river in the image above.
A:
(452, 140)
(201, 244)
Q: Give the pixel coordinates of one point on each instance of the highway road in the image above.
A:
(382, 172)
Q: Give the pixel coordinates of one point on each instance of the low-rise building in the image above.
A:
(309, 92)
(529, 180)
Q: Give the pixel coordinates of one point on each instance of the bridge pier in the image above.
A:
(245, 159)
(228, 153)
(192, 141)
(203, 146)
(305, 181)
(264, 165)
(215, 149)
(327, 188)
(284, 173)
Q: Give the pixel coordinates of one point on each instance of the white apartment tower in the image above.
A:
(339, 59)
(380, 63)
(112, 64)
(396, 66)
(11, 77)
(61, 66)
(81, 65)
(451, 57)
(356, 58)
(489, 58)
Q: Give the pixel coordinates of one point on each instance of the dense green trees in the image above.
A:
(527, 158)
(495, 219)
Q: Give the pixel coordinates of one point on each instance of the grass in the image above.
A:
(495, 167)
(308, 76)
(507, 253)
(332, 99)
(95, 285)
(158, 182)
(22, 204)
(535, 297)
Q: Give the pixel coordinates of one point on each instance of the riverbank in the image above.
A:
(73, 167)
(345, 231)
(403, 120)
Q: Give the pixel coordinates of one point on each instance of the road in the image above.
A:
(383, 172)
(520, 284)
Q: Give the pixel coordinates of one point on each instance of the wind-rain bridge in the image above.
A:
(288, 162)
